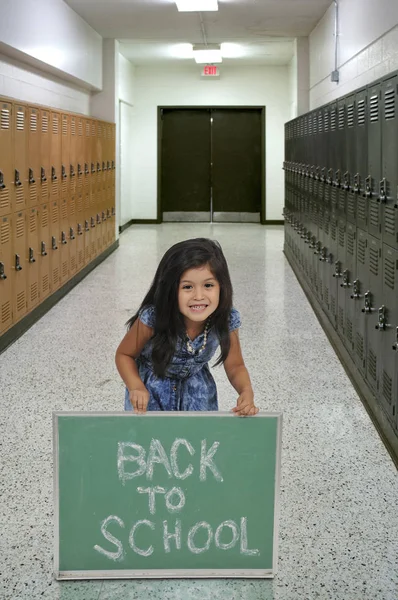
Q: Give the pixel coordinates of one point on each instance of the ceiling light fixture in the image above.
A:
(196, 5)
(207, 54)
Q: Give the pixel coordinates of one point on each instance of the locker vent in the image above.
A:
(359, 345)
(333, 305)
(44, 217)
(87, 129)
(87, 253)
(73, 263)
(20, 197)
(79, 204)
(342, 202)
(341, 117)
(72, 208)
(333, 230)
(326, 295)
(361, 112)
(93, 129)
(389, 220)
(99, 129)
(55, 190)
(44, 190)
(326, 121)
(33, 193)
(333, 120)
(387, 387)
(350, 243)
(320, 219)
(73, 126)
(81, 257)
(5, 200)
(92, 252)
(351, 205)
(33, 121)
(21, 303)
(65, 126)
(5, 117)
(350, 115)
(389, 272)
(5, 312)
(55, 214)
(305, 127)
(55, 276)
(55, 124)
(64, 188)
(374, 214)
(389, 104)
(326, 223)
(314, 124)
(87, 202)
(44, 122)
(109, 132)
(374, 108)
(64, 210)
(34, 292)
(341, 318)
(20, 120)
(361, 255)
(374, 261)
(20, 227)
(341, 236)
(32, 222)
(334, 196)
(372, 364)
(327, 194)
(361, 209)
(45, 284)
(348, 330)
(320, 123)
(80, 128)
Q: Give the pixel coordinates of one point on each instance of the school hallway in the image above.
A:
(338, 531)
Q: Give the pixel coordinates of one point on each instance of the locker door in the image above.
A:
(361, 142)
(341, 158)
(113, 157)
(359, 288)
(79, 232)
(65, 155)
(56, 156)
(389, 182)
(87, 159)
(19, 266)
(32, 258)
(34, 172)
(73, 154)
(6, 159)
(45, 148)
(55, 245)
(340, 268)
(64, 244)
(5, 274)
(94, 160)
(71, 236)
(335, 270)
(21, 178)
(374, 160)
(376, 301)
(388, 328)
(80, 156)
(347, 285)
(351, 166)
(45, 250)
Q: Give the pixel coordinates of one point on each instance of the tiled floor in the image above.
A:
(339, 496)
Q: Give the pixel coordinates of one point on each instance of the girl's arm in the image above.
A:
(129, 348)
(239, 377)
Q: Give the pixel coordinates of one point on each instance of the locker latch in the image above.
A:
(2, 271)
(337, 271)
(382, 319)
(92, 222)
(18, 263)
(71, 233)
(86, 169)
(368, 303)
(346, 180)
(63, 238)
(323, 256)
(31, 177)
(72, 171)
(313, 242)
(330, 176)
(382, 191)
(79, 170)
(64, 174)
(108, 165)
(43, 175)
(394, 347)
(337, 178)
(103, 216)
(98, 219)
(2, 184)
(86, 227)
(54, 243)
(98, 167)
(356, 289)
(18, 182)
(43, 249)
(103, 165)
(92, 168)
(368, 186)
(113, 211)
(312, 169)
(108, 213)
(53, 174)
(303, 233)
(318, 248)
(346, 279)
(79, 229)
(323, 176)
(357, 183)
(317, 171)
(31, 256)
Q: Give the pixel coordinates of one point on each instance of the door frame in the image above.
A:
(208, 107)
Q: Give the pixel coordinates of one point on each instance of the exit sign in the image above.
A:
(210, 71)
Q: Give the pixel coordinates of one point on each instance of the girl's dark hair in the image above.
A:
(163, 295)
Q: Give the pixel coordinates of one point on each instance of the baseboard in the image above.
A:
(138, 222)
(369, 400)
(17, 330)
(274, 222)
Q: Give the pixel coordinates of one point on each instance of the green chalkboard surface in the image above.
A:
(166, 495)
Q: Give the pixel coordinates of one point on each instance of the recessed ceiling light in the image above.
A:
(196, 5)
(207, 54)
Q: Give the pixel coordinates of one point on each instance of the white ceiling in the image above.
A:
(150, 31)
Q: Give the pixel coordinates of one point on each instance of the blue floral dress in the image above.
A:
(188, 384)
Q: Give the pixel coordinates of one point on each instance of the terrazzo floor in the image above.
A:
(339, 490)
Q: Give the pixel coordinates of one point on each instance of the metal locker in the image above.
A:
(373, 300)
(374, 160)
(34, 169)
(389, 181)
(104, 228)
(388, 329)
(64, 244)
(80, 156)
(65, 155)
(98, 231)
(79, 232)
(45, 147)
(5, 274)
(94, 159)
(44, 251)
(360, 287)
(56, 156)
(361, 153)
(32, 256)
(72, 234)
(335, 270)
(339, 274)
(346, 284)
(73, 155)
(6, 159)
(350, 168)
(87, 158)
(19, 201)
(55, 245)
(19, 270)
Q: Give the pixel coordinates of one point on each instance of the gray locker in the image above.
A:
(339, 276)
(389, 182)
(374, 160)
(350, 166)
(346, 284)
(373, 301)
(360, 286)
(361, 154)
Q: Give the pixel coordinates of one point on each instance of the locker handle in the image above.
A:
(92, 168)
(79, 229)
(108, 165)
(337, 272)
(72, 171)
(18, 182)
(53, 174)
(346, 282)
(63, 238)
(18, 263)
(346, 181)
(395, 346)
(98, 168)
(54, 243)
(71, 233)
(86, 169)
(2, 271)
(64, 174)
(108, 213)
(43, 175)
(103, 216)
(2, 184)
(382, 191)
(92, 222)
(98, 218)
(31, 177)
(355, 293)
(357, 183)
(86, 227)
(368, 304)
(43, 249)
(31, 256)
(382, 320)
(368, 186)
(79, 170)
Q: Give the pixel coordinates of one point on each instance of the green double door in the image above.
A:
(211, 166)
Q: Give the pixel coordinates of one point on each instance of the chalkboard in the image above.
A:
(166, 495)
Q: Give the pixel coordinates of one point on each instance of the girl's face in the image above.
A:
(198, 294)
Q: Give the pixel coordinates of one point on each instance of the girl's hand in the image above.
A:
(139, 399)
(245, 405)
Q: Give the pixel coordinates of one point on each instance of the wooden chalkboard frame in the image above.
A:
(166, 573)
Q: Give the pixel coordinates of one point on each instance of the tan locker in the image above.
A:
(6, 159)
(5, 273)
(79, 233)
(45, 146)
(54, 247)
(87, 157)
(32, 258)
(113, 156)
(65, 155)
(64, 240)
(56, 156)
(72, 236)
(45, 251)
(19, 266)
(34, 133)
(104, 229)
(21, 177)
(73, 154)
(87, 229)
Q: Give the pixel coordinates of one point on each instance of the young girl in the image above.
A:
(187, 313)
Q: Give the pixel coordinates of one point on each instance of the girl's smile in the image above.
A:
(198, 294)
